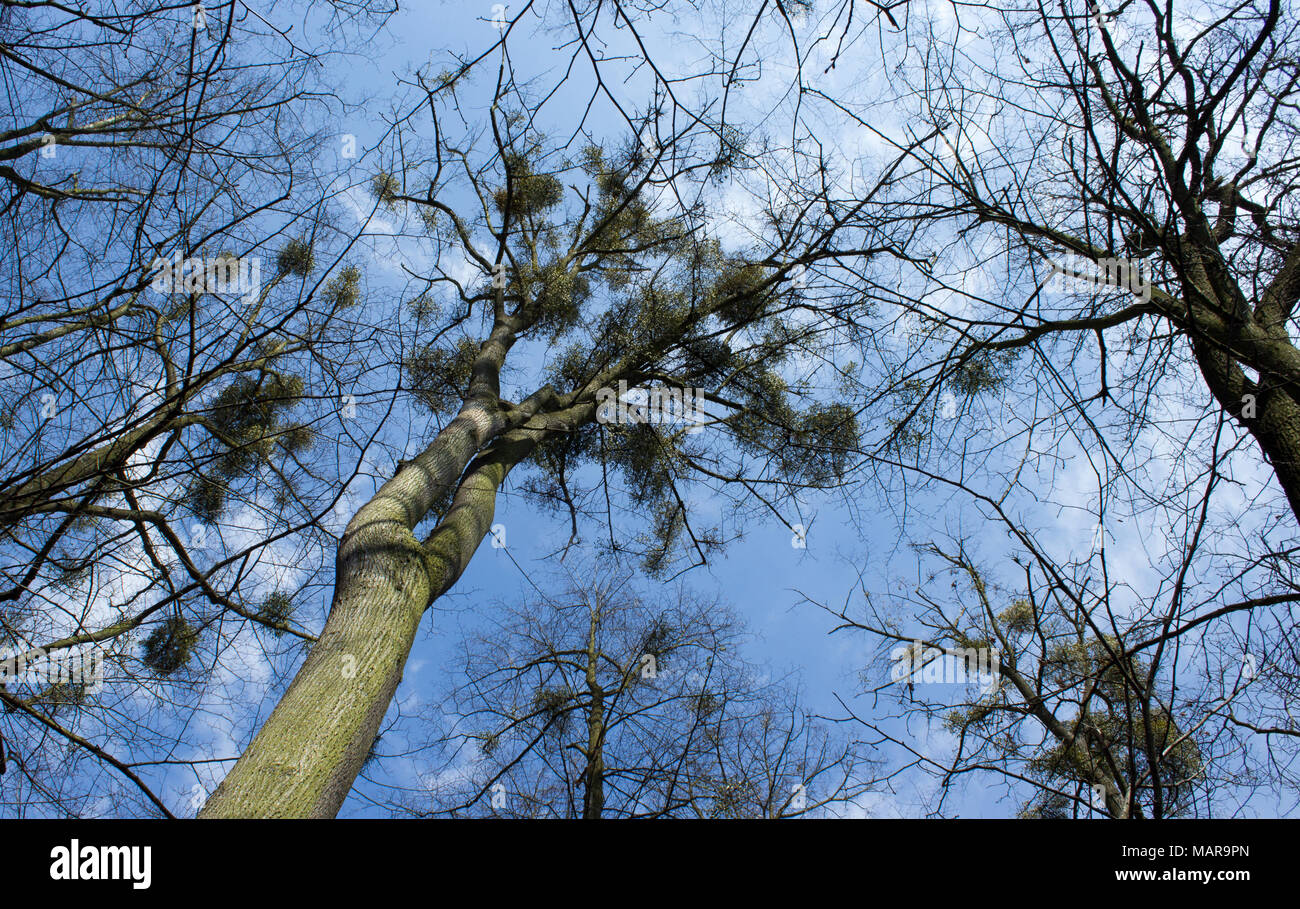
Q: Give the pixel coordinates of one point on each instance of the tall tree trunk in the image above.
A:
(593, 801)
(306, 757)
(1267, 409)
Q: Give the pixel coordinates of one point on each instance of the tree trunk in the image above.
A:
(306, 757)
(593, 801)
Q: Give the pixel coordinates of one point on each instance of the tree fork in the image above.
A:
(304, 760)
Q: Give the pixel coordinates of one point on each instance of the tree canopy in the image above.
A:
(988, 309)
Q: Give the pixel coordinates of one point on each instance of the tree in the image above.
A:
(1185, 203)
(155, 158)
(1076, 720)
(1050, 308)
(595, 256)
(599, 704)
(1074, 369)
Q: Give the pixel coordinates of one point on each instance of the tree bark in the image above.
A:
(304, 760)
(593, 802)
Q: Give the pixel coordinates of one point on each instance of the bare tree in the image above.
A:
(599, 704)
(1081, 364)
(173, 286)
(1073, 718)
(595, 257)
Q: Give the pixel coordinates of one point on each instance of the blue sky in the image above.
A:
(851, 546)
(763, 576)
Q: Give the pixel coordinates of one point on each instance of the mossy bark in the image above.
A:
(594, 776)
(307, 755)
(304, 760)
